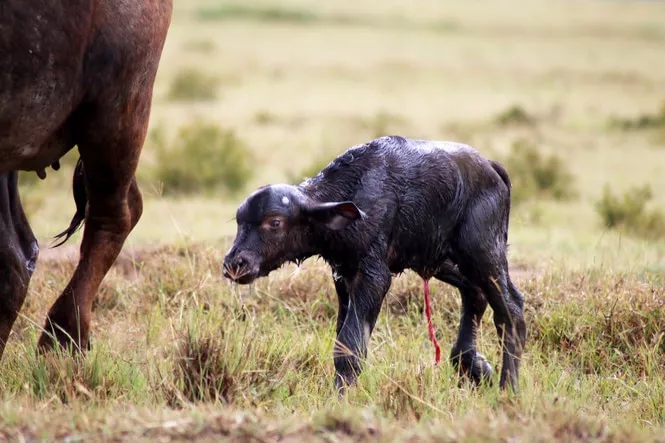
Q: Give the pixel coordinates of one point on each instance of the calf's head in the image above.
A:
(278, 223)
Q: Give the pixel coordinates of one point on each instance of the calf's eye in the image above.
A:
(272, 223)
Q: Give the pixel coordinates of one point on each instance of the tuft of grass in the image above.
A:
(202, 372)
(191, 84)
(515, 115)
(629, 212)
(535, 175)
(96, 378)
(204, 157)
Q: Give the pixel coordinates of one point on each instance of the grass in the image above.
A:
(187, 343)
(180, 353)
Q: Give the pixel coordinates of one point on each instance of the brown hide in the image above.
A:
(74, 73)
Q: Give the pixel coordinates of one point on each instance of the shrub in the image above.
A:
(629, 212)
(535, 175)
(265, 117)
(514, 115)
(644, 121)
(203, 157)
(192, 85)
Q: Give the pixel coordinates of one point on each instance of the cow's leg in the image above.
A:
(18, 255)
(463, 355)
(366, 291)
(110, 147)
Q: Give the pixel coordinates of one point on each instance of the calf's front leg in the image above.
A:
(363, 292)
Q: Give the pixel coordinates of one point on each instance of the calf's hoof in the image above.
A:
(481, 370)
(342, 382)
(509, 382)
(475, 367)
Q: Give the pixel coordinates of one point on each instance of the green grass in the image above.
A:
(180, 353)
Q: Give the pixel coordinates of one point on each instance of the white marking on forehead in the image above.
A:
(285, 200)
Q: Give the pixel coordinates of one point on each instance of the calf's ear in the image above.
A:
(335, 215)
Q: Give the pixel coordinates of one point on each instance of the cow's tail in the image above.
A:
(81, 201)
(506, 179)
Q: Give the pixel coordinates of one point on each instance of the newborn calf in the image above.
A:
(391, 204)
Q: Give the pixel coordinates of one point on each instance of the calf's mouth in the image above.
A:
(242, 273)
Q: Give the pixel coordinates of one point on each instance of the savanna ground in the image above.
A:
(568, 94)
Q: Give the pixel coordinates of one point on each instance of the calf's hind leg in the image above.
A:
(464, 356)
(483, 261)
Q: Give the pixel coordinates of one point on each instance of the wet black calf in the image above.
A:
(391, 204)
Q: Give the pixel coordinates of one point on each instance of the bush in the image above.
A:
(192, 85)
(535, 176)
(629, 212)
(203, 157)
(644, 121)
(265, 117)
(514, 115)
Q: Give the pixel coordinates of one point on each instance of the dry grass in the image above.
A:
(181, 339)
(179, 353)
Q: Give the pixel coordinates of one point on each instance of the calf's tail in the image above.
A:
(502, 173)
(506, 179)
(81, 201)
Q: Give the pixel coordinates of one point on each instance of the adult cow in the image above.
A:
(74, 73)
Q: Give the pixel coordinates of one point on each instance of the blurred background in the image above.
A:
(568, 95)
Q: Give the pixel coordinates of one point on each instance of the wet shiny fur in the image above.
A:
(438, 208)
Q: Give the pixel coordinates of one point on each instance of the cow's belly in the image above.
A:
(35, 151)
(42, 46)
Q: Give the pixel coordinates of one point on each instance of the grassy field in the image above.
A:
(179, 352)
